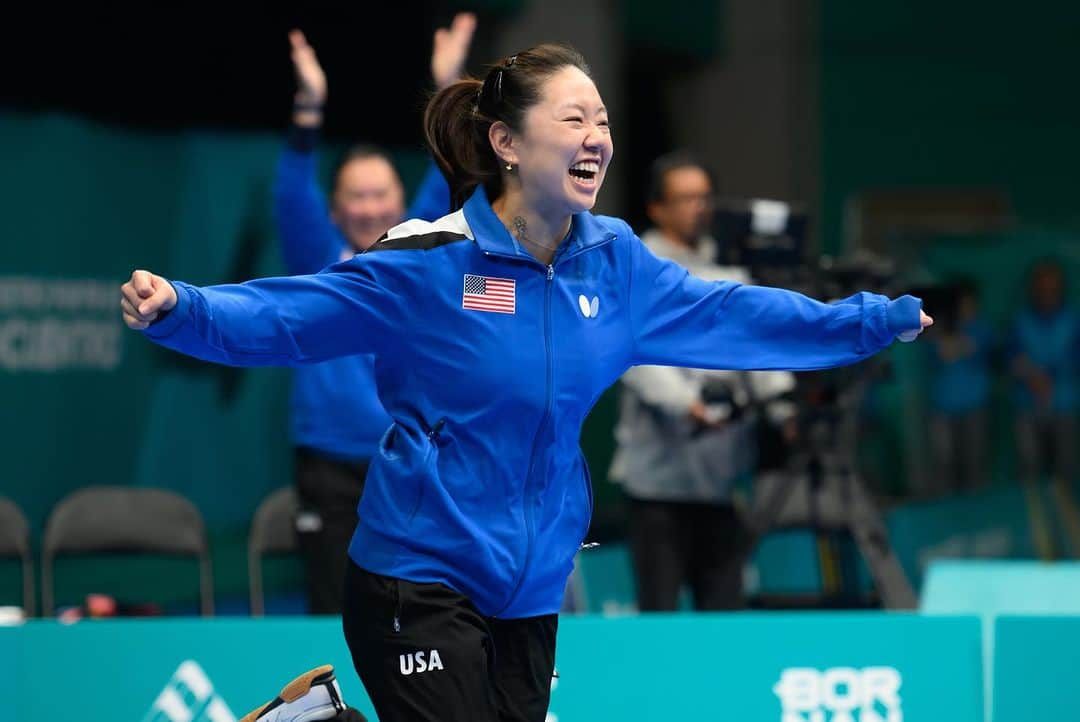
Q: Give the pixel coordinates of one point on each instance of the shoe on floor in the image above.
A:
(312, 696)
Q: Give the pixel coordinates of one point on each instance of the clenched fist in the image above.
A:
(144, 298)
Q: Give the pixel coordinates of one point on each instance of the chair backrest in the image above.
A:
(107, 519)
(273, 531)
(15, 543)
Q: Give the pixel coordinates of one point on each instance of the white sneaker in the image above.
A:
(314, 695)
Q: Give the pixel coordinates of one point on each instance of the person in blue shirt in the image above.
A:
(960, 370)
(495, 329)
(1044, 349)
(336, 418)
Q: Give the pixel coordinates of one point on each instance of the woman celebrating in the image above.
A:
(495, 329)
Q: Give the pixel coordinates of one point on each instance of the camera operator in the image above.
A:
(686, 436)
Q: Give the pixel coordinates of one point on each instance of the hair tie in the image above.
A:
(498, 78)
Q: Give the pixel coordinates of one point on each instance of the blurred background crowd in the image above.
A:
(828, 146)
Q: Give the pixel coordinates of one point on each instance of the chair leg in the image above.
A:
(255, 583)
(46, 586)
(28, 585)
(206, 585)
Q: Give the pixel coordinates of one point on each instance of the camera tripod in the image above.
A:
(821, 491)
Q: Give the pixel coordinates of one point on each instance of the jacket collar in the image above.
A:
(493, 237)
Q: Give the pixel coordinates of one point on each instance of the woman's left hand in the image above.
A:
(924, 322)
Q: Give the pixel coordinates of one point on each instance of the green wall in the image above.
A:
(924, 93)
(84, 204)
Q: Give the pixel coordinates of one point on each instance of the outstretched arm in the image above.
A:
(356, 307)
(681, 320)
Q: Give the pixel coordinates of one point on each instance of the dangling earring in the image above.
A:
(510, 166)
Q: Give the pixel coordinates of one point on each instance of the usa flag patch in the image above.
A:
(484, 293)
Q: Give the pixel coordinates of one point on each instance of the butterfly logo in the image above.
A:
(589, 309)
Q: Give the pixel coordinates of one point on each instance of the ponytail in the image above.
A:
(458, 138)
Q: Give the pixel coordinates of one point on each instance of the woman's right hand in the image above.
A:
(144, 298)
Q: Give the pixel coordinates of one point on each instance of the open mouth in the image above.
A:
(585, 172)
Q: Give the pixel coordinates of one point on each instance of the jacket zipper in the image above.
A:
(543, 421)
(528, 498)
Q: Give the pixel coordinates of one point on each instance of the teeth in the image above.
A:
(589, 166)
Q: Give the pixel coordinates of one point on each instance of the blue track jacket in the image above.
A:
(488, 361)
(334, 407)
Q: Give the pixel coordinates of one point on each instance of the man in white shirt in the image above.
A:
(685, 436)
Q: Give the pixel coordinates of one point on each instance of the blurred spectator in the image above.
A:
(336, 416)
(960, 393)
(685, 436)
(1043, 351)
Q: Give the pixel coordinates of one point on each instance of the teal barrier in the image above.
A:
(154, 670)
(997, 587)
(789, 668)
(1035, 664)
(10, 654)
(991, 588)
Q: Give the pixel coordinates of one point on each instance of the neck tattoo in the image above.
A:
(520, 230)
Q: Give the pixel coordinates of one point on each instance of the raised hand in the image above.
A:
(144, 298)
(450, 48)
(310, 78)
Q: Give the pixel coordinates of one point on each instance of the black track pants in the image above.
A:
(424, 653)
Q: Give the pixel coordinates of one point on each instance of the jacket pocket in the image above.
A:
(408, 457)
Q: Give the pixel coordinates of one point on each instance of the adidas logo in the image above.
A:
(189, 697)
